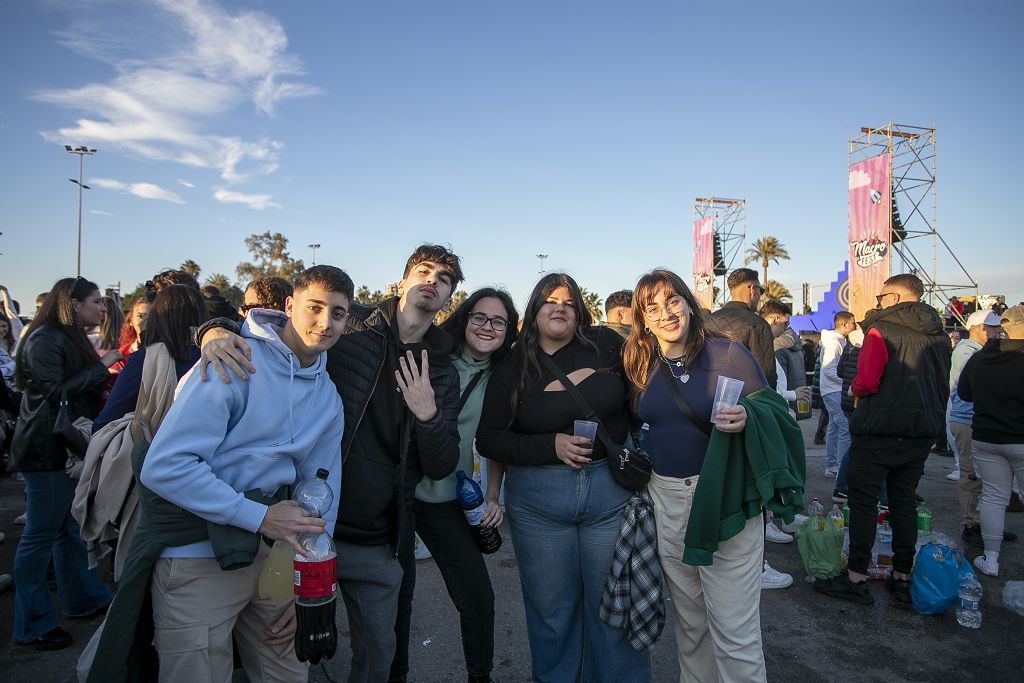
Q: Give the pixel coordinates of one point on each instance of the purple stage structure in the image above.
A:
(837, 298)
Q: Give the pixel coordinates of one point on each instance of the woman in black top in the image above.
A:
(55, 361)
(564, 508)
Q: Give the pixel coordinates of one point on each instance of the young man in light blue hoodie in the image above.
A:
(220, 441)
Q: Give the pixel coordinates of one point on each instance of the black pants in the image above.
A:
(899, 462)
(442, 528)
(819, 435)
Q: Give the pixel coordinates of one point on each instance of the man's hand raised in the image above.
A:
(415, 386)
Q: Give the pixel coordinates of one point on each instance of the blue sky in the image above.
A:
(582, 130)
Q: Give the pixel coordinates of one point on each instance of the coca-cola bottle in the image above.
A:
(316, 587)
(471, 500)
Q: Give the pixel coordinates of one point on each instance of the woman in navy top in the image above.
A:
(717, 625)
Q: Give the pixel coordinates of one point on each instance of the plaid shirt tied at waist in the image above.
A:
(632, 595)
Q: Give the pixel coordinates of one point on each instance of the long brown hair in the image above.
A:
(527, 347)
(641, 345)
(177, 310)
(58, 310)
(110, 328)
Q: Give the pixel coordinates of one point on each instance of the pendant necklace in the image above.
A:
(676, 362)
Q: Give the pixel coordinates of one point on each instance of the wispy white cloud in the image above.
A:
(253, 201)
(100, 213)
(185, 183)
(179, 71)
(143, 190)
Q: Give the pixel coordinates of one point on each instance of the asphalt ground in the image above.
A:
(807, 637)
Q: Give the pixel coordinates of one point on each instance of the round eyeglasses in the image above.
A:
(498, 324)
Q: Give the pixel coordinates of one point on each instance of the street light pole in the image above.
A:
(541, 257)
(81, 151)
(314, 247)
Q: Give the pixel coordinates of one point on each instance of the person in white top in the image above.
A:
(837, 438)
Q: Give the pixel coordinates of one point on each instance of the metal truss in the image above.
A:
(730, 232)
(912, 174)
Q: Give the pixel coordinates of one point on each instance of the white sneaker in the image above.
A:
(774, 534)
(954, 475)
(771, 579)
(832, 472)
(981, 562)
(798, 521)
(21, 519)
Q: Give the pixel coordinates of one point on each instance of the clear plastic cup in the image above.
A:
(585, 428)
(727, 393)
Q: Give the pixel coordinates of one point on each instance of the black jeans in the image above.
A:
(443, 529)
(819, 435)
(899, 462)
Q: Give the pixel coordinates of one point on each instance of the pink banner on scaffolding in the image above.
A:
(703, 261)
(869, 238)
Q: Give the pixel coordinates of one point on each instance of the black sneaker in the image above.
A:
(900, 589)
(839, 496)
(1016, 505)
(841, 587)
(1009, 537)
(972, 536)
(54, 639)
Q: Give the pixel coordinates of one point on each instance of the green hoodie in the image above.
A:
(763, 466)
(443, 490)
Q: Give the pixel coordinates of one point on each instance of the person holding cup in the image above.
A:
(702, 471)
(563, 506)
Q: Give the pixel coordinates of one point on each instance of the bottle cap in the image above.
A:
(322, 473)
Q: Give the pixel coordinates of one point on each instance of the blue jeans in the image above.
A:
(837, 438)
(564, 525)
(51, 528)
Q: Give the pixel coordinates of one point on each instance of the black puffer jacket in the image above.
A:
(993, 379)
(847, 370)
(739, 323)
(790, 353)
(356, 364)
(912, 394)
(51, 368)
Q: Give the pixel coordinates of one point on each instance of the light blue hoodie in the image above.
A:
(219, 440)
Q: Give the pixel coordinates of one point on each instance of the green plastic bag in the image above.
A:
(821, 551)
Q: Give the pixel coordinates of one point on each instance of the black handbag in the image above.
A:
(65, 432)
(629, 467)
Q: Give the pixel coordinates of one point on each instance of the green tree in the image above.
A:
(766, 249)
(773, 289)
(228, 290)
(191, 267)
(593, 303)
(457, 298)
(269, 257)
(367, 298)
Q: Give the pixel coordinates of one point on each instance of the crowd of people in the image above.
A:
(173, 428)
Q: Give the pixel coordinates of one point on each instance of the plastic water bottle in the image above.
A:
(924, 524)
(836, 517)
(315, 582)
(471, 500)
(881, 553)
(968, 608)
(817, 514)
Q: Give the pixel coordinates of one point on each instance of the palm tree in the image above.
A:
(773, 289)
(766, 249)
(593, 303)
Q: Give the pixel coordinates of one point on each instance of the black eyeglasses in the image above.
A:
(245, 308)
(498, 324)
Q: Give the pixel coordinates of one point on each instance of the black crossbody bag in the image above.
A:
(630, 467)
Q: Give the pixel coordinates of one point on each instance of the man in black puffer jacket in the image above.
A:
(400, 394)
(738, 321)
(902, 385)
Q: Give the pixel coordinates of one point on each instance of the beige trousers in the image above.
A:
(717, 608)
(970, 484)
(199, 610)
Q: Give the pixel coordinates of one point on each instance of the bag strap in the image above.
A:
(673, 389)
(469, 390)
(588, 413)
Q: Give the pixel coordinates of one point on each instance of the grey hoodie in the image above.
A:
(790, 354)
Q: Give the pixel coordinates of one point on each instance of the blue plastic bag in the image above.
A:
(935, 580)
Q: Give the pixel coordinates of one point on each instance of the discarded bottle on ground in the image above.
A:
(836, 517)
(316, 587)
(817, 514)
(881, 565)
(924, 523)
(471, 500)
(968, 608)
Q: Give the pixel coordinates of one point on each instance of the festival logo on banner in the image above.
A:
(703, 262)
(869, 238)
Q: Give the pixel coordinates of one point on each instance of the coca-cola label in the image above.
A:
(315, 579)
(868, 252)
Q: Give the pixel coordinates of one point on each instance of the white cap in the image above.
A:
(987, 317)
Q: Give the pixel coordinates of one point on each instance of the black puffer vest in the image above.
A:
(911, 398)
